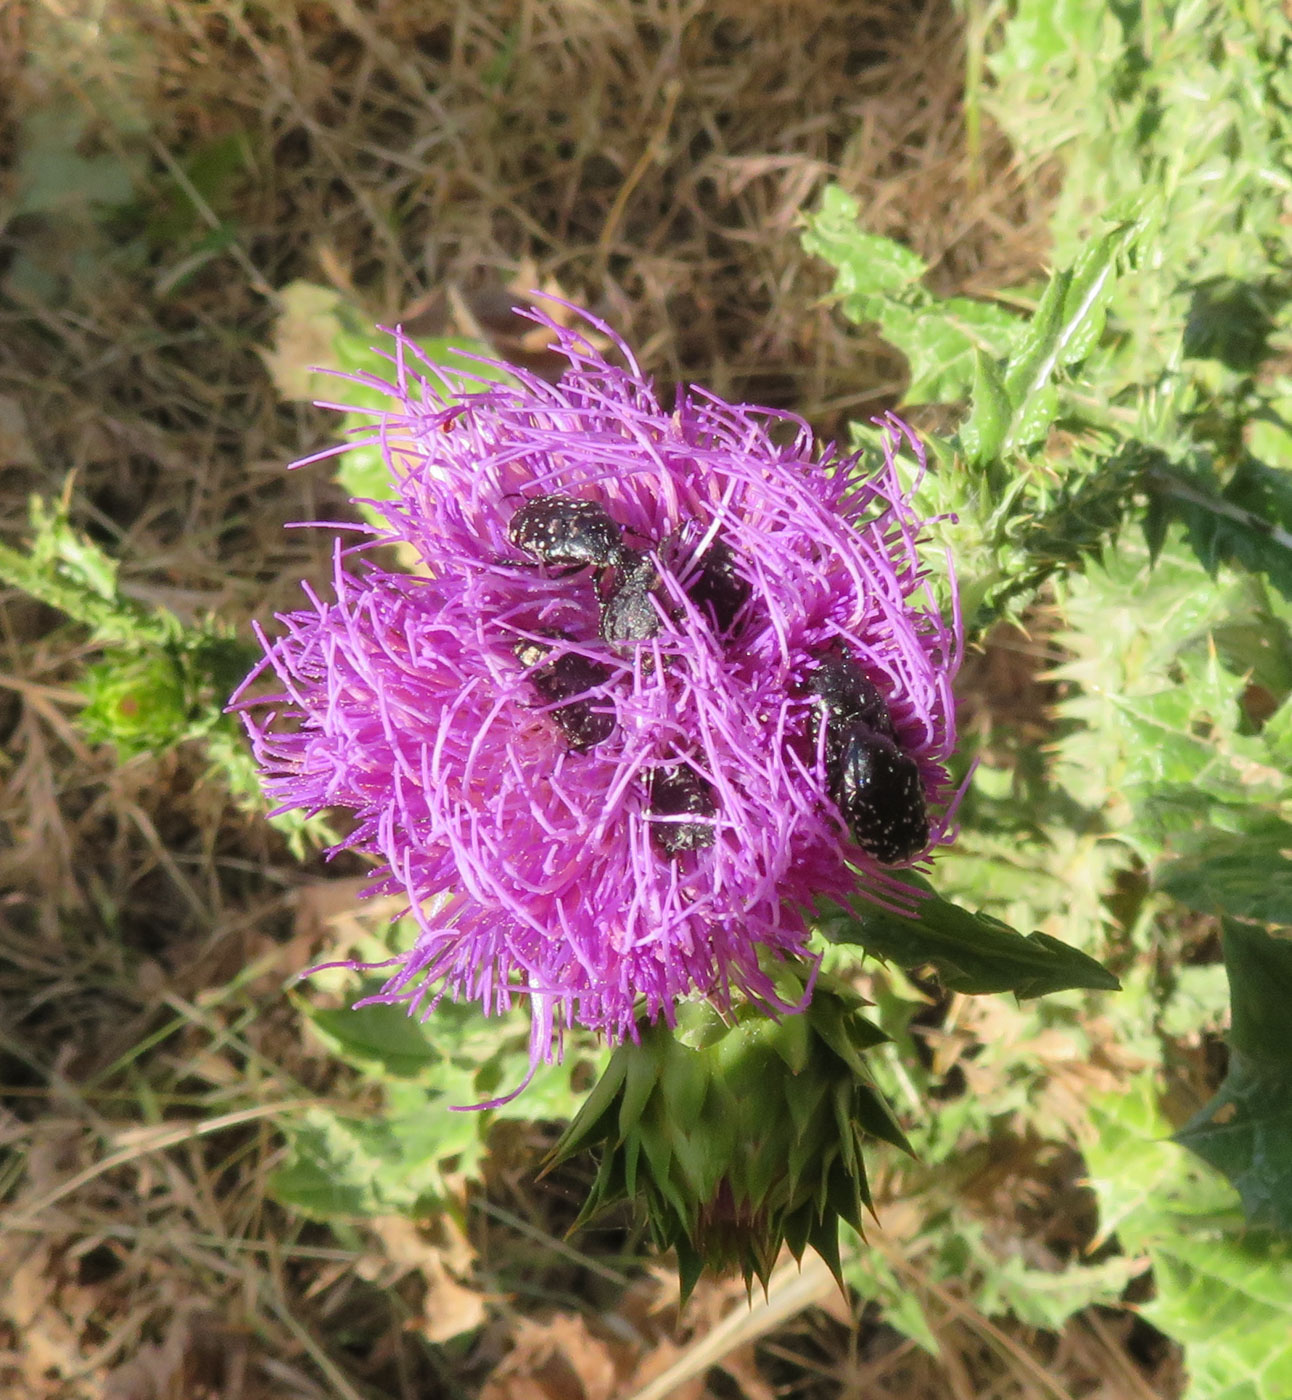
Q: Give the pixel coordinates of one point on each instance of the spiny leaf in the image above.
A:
(972, 952)
(1228, 1297)
(346, 1166)
(1245, 1131)
(983, 434)
(880, 281)
(866, 264)
(1249, 522)
(1222, 1289)
(1020, 401)
(1246, 874)
(377, 1038)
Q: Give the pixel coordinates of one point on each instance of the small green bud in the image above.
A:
(135, 702)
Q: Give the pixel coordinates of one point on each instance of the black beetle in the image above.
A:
(562, 678)
(563, 532)
(878, 790)
(846, 693)
(679, 791)
(628, 613)
(876, 786)
(566, 533)
(719, 587)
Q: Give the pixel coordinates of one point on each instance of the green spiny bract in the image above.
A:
(739, 1136)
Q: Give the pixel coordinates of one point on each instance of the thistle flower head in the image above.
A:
(657, 682)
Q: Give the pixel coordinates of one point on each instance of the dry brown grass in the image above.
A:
(651, 159)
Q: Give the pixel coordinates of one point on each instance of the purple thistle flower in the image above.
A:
(586, 743)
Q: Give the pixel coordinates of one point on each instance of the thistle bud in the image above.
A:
(738, 1135)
